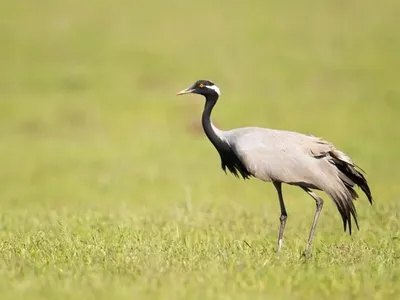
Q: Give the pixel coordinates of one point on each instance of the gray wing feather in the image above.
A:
(275, 155)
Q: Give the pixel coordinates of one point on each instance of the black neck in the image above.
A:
(206, 122)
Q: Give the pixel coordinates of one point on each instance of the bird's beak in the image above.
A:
(185, 91)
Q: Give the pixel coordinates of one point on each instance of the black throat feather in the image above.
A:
(231, 161)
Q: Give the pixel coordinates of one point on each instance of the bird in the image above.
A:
(285, 157)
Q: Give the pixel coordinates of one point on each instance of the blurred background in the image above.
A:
(89, 120)
(88, 112)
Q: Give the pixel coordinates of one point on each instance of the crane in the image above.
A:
(288, 157)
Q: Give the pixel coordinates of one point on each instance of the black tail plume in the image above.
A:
(346, 206)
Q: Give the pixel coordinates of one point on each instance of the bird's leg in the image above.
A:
(282, 218)
(320, 203)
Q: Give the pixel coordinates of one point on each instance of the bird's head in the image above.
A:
(202, 87)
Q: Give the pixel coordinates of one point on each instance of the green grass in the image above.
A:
(109, 190)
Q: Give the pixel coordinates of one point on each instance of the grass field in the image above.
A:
(110, 190)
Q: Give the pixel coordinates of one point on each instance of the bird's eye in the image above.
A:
(201, 85)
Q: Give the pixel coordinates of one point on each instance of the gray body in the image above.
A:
(294, 158)
(289, 157)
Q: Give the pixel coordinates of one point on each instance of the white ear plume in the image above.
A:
(215, 88)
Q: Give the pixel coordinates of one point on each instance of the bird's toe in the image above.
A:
(306, 254)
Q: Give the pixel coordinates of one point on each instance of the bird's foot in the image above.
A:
(306, 254)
